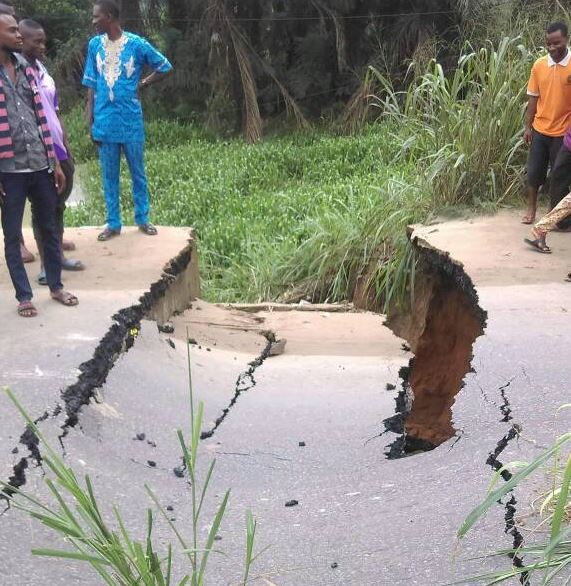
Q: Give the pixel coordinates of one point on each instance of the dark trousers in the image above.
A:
(561, 181)
(40, 189)
(542, 154)
(68, 169)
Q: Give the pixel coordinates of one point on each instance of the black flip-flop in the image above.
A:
(148, 229)
(568, 278)
(107, 234)
(538, 245)
(71, 264)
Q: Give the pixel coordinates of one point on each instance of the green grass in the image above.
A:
(547, 559)
(252, 205)
(311, 214)
(93, 531)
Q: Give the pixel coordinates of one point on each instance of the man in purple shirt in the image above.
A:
(33, 50)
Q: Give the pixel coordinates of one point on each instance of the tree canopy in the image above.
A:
(240, 61)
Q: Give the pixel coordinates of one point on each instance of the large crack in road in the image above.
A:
(497, 465)
(119, 339)
(244, 383)
(441, 327)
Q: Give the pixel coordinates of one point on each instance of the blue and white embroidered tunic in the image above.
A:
(113, 70)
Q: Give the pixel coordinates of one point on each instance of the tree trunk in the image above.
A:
(131, 16)
(177, 14)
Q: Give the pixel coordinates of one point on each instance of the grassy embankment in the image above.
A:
(311, 212)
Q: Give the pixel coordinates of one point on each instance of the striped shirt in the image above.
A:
(22, 144)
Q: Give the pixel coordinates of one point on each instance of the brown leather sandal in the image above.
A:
(65, 298)
(27, 309)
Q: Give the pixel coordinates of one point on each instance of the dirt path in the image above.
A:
(494, 254)
(127, 263)
(306, 333)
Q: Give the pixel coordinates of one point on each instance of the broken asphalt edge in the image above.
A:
(442, 260)
(244, 382)
(439, 264)
(172, 293)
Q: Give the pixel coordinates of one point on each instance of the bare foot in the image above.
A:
(27, 256)
(529, 218)
(67, 245)
(64, 297)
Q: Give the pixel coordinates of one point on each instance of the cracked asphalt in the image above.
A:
(41, 357)
(301, 434)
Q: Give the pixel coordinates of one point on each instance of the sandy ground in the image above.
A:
(127, 263)
(494, 253)
(306, 333)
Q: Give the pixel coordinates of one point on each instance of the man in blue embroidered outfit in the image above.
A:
(114, 65)
(28, 168)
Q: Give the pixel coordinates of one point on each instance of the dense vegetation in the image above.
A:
(244, 64)
(312, 213)
(390, 130)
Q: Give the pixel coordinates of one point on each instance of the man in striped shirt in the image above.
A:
(27, 256)
(28, 169)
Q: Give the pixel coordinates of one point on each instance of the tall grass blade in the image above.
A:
(497, 494)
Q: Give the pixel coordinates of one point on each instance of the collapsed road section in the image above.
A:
(299, 434)
(441, 327)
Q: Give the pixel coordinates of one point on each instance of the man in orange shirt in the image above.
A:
(548, 111)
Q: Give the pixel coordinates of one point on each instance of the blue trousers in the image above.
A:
(39, 187)
(110, 162)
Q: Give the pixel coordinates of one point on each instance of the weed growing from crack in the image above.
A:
(552, 558)
(118, 558)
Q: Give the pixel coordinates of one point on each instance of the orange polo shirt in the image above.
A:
(551, 82)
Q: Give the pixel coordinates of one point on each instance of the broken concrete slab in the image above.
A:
(493, 252)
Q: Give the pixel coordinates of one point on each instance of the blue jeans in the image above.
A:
(110, 161)
(39, 187)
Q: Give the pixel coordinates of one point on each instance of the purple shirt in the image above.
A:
(48, 93)
(567, 139)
